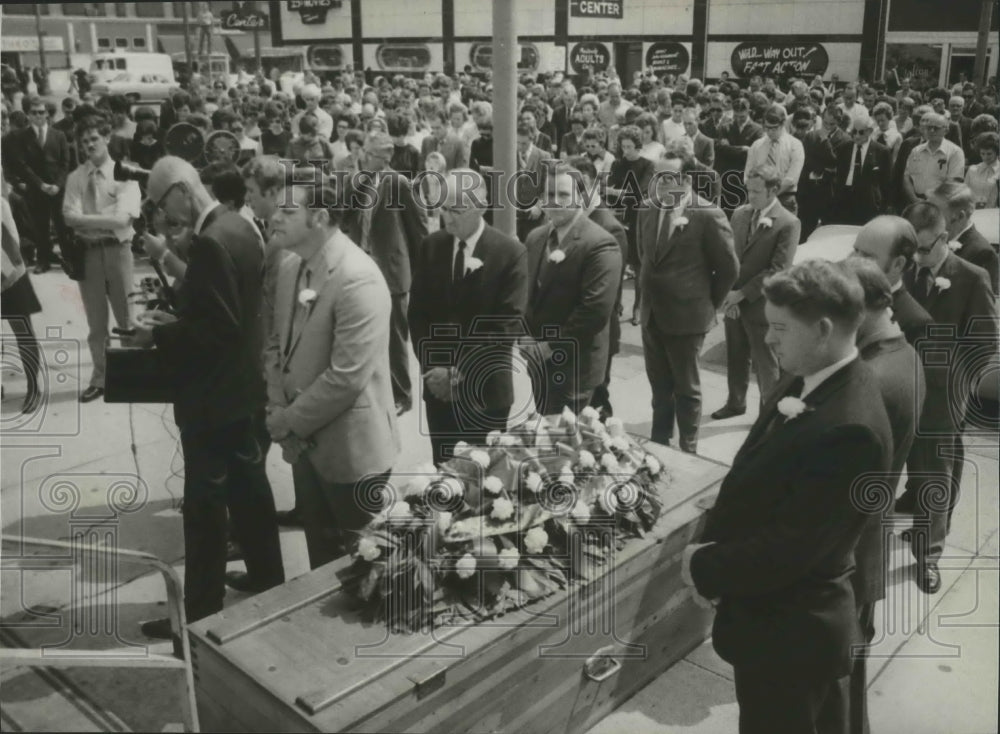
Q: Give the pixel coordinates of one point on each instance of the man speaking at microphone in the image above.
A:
(213, 347)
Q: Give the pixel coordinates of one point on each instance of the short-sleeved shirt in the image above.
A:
(113, 197)
(928, 169)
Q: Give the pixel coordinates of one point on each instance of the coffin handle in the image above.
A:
(602, 665)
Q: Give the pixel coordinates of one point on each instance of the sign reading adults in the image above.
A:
(779, 59)
(589, 55)
(667, 57)
(596, 8)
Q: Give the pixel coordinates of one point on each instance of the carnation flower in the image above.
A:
(368, 549)
(307, 296)
(765, 222)
(533, 481)
(508, 440)
(557, 256)
(681, 222)
(535, 540)
(493, 485)
(472, 264)
(610, 463)
(791, 407)
(653, 464)
(587, 460)
(942, 283)
(503, 509)
(480, 457)
(509, 558)
(590, 414)
(465, 566)
(615, 427)
(461, 447)
(580, 511)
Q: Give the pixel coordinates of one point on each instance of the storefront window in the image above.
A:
(149, 10)
(24, 8)
(920, 62)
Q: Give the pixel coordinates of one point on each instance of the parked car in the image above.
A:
(141, 77)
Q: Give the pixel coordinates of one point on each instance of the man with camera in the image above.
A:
(100, 211)
(476, 316)
(212, 347)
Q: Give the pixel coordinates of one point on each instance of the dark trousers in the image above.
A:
(934, 475)
(399, 353)
(602, 393)
(848, 699)
(672, 369)
(448, 423)
(552, 395)
(27, 348)
(745, 345)
(224, 470)
(331, 512)
(773, 702)
(814, 204)
(43, 209)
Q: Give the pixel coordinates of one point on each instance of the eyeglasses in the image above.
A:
(159, 203)
(860, 132)
(38, 112)
(772, 127)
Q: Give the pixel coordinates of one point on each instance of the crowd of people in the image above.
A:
(354, 226)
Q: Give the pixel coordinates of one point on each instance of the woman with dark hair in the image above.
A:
(984, 178)
(309, 146)
(146, 149)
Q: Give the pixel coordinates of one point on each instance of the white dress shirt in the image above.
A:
(113, 197)
(470, 245)
(811, 382)
(854, 154)
(789, 157)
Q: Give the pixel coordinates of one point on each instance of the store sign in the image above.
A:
(403, 57)
(313, 12)
(325, 58)
(27, 44)
(667, 57)
(481, 56)
(596, 8)
(237, 20)
(779, 59)
(589, 55)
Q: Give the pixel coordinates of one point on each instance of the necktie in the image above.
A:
(664, 232)
(458, 268)
(90, 195)
(924, 282)
(294, 313)
(41, 136)
(551, 244)
(881, 139)
(772, 154)
(754, 220)
(855, 166)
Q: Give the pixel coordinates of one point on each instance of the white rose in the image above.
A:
(465, 566)
(942, 283)
(765, 222)
(615, 426)
(587, 460)
(681, 222)
(535, 540)
(791, 407)
(533, 481)
(590, 414)
(368, 549)
(307, 296)
(557, 256)
(502, 509)
(472, 264)
(493, 485)
(580, 511)
(461, 447)
(653, 464)
(610, 463)
(508, 558)
(480, 457)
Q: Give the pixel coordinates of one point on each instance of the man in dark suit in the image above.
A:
(213, 346)
(445, 142)
(766, 236)
(389, 226)
(530, 182)
(815, 182)
(688, 267)
(891, 242)
(776, 554)
(43, 164)
(861, 191)
(957, 203)
(731, 149)
(900, 378)
(956, 294)
(574, 271)
(470, 290)
(704, 146)
(605, 218)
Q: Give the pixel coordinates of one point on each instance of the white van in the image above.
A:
(142, 77)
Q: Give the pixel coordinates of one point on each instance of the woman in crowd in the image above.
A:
(984, 178)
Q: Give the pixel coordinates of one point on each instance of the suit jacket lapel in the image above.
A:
(537, 261)
(946, 271)
(333, 252)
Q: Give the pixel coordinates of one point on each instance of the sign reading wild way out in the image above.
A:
(596, 8)
(589, 54)
(779, 58)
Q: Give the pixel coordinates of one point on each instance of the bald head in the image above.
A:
(168, 172)
(890, 241)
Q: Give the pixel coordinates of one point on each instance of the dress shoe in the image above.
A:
(289, 518)
(635, 317)
(240, 581)
(233, 551)
(91, 393)
(41, 268)
(727, 411)
(905, 505)
(928, 577)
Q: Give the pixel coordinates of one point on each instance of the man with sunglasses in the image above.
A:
(932, 162)
(781, 150)
(863, 173)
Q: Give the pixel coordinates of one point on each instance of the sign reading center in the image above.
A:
(596, 8)
(589, 55)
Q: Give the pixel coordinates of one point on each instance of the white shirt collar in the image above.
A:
(816, 379)
(200, 222)
(896, 286)
(107, 168)
(766, 210)
(470, 241)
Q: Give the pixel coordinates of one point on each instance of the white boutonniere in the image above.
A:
(954, 245)
(791, 407)
(765, 222)
(942, 283)
(681, 222)
(472, 264)
(557, 256)
(307, 296)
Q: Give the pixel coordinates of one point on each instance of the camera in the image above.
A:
(127, 172)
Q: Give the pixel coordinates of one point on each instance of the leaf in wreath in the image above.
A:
(533, 583)
(372, 582)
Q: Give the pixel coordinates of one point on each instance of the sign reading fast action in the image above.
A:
(589, 55)
(596, 8)
(779, 59)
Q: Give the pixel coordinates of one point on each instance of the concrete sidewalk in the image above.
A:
(72, 470)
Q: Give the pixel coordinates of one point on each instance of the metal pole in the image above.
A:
(256, 41)
(187, 38)
(41, 51)
(505, 54)
(982, 42)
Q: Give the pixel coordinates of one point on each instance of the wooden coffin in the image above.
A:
(298, 658)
